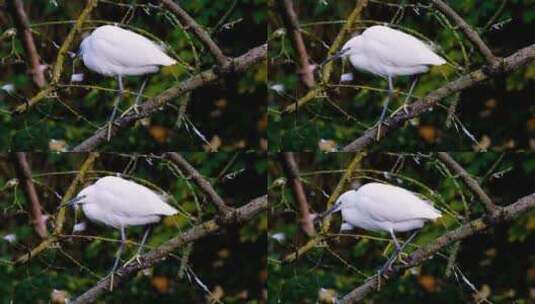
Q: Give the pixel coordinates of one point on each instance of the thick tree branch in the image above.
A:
(156, 103)
(24, 172)
(22, 23)
(60, 217)
(204, 37)
(292, 172)
(472, 184)
(470, 33)
(159, 254)
(419, 256)
(60, 59)
(203, 184)
(291, 22)
(507, 65)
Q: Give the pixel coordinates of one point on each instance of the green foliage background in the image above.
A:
(216, 111)
(500, 114)
(76, 264)
(499, 262)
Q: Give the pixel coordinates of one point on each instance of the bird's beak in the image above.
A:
(71, 202)
(337, 55)
(327, 213)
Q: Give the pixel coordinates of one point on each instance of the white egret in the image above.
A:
(119, 203)
(387, 208)
(112, 51)
(389, 53)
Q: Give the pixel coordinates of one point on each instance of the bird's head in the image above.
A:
(349, 48)
(80, 199)
(343, 201)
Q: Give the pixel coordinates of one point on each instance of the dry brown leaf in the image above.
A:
(428, 133)
(161, 283)
(159, 133)
(428, 282)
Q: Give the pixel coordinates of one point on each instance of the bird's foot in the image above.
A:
(134, 107)
(137, 257)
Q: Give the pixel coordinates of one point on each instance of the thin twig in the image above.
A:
(470, 33)
(24, 173)
(203, 184)
(204, 37)
(292, 172)
(472, 184)
(327, 221)
(60, 217)
(60, 59)
(159, 254)
(25, 34)
(328, 68)
(291, 22)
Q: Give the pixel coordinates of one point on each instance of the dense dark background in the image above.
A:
(499, 262)
(498, 113)
(230, 114)
(232, 264)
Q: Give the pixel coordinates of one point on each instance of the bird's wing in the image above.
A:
(131, 199)
(126, 48)
(393, 204)
(397, 48)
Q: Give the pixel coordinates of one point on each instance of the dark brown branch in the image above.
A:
(60, 217)
(22, 23)
(156, 103)
(24, 173)
(204, 37)
(60, 59)
(159, 254)
(292, 172)
(470, 33)
(472, 184)
(419, 256)
(205, 185)
(507, 65)
(291, 22)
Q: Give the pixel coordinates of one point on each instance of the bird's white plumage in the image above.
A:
(112, 51)
(118, 202)
(381, 207)
(386, 52)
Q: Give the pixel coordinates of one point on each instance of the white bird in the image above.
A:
(112, 51)
(389, 53)
(381, 207)
(119, 203)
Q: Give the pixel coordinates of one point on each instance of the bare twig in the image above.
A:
(327, 221)
(472, 184)
(60, 218)
(24, 173)
(292, 172)
(509, 64)
(337, 43)
(25, 34)
(60, 59)
(203, 184)
(291, 22)
(470, 33)
(204, 37)
(156, 103)
(157, 255)
(422, 254)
